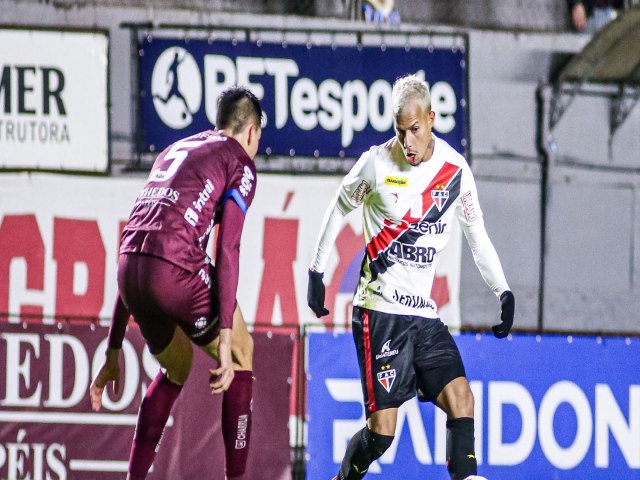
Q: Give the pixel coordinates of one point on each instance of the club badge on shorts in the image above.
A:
(386, 378)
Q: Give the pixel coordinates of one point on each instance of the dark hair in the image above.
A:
(237, 107)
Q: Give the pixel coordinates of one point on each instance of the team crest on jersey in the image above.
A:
(439, 195)
(386, 378)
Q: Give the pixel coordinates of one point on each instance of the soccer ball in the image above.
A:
(475, 477)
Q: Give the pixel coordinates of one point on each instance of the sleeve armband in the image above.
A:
(235, 195)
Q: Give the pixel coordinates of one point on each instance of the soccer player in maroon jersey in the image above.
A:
(169, 285)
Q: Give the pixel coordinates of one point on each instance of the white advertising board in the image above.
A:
(53, 100)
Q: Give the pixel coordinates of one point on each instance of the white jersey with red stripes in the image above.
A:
(407, 218)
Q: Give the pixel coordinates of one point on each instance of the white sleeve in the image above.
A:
(354, 188)
(484, 253)
(329, 230)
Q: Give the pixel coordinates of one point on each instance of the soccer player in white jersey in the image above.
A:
(411, 188)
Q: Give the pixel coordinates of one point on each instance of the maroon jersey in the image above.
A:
(184, 197)
(175, 213)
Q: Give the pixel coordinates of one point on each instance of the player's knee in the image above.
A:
(178, 372)
(464, 403)
(461, 403)
(378, 444)
(177, 358)
(178, 375)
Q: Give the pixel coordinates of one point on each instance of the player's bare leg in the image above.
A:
(368, 444)
(156, 405)
(456, 399)
(241, 344)
(236, 402)
(384, 421)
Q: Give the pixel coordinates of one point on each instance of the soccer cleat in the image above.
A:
(475, 477)
(335, 478)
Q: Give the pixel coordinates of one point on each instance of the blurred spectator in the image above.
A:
(380, 11)
(374, 11)
(589, 16)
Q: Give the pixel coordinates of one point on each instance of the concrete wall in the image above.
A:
(593, 228)
(592, 261)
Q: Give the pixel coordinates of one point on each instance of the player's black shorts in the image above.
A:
(401, 355)
(161, 296)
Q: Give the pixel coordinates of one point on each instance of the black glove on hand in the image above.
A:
(315, 294)
(506, 315)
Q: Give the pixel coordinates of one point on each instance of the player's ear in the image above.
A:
(252, 134)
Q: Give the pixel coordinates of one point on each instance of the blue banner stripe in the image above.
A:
(325, 127)
(547, 407)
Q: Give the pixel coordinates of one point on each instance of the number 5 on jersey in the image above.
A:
(176, 155)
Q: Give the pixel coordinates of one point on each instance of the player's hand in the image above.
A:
(109, 372)
(221, 377)
(506, 315)
(315, 294)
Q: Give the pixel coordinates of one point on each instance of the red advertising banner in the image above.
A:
(48, 431)
(59, 239)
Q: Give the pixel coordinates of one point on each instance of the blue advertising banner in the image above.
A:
(318, 100)
(547, 407)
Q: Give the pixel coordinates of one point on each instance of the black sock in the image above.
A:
(461, 458)
(365, 447)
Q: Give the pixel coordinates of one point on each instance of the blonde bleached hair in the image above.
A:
(408, 87)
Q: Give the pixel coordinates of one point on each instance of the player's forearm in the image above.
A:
(486, 258)
(119, 320)
(225, 337)
(329, 230)
(228, 261)
(227, 272)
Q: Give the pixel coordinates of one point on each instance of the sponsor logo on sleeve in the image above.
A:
(247, 181)
(469, 209)
(360, 191)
